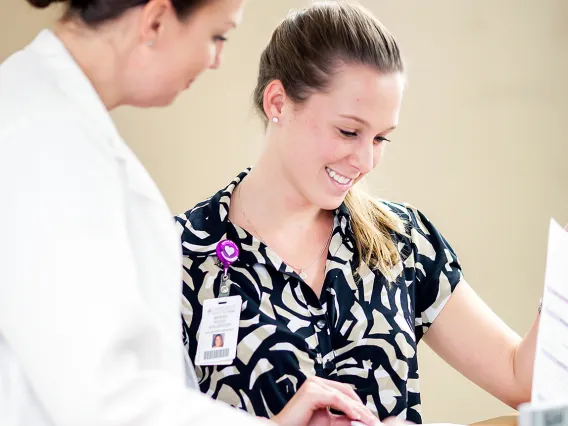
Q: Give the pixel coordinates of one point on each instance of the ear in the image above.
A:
(274, 98)
(154, 16)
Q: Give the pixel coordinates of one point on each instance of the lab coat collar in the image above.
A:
(74, 84)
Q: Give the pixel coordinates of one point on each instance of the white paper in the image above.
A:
(543, 414)
(550, 379)
(354, 423)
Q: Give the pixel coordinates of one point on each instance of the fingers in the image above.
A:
(336, 400)
(317, 396)
(358, 423)
(327, 397)
(361, 412)
(345, 421)
(341, 387)
(393, 421)
(336, 396)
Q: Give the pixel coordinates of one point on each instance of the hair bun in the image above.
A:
(41, 4)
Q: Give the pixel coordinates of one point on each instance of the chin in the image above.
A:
(157, 101)
(165, 101)
(329, 203)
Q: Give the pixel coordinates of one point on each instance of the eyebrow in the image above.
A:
(233, 24)
(355, 118)
(363, 122)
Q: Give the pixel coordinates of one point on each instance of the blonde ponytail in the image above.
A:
(373, 225)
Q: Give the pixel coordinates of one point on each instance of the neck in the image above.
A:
(272, 203)
(96, 55)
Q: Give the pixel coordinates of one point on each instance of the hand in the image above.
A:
(391, 421)
(310, 406)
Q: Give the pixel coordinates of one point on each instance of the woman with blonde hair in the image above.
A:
(334, 283)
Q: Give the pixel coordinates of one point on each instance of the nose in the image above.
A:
(363, 156)
(216, 60)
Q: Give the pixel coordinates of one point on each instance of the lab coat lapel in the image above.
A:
(75, 84)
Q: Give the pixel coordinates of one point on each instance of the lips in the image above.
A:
(338, 177)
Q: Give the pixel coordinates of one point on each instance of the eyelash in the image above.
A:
(220, 38)
(348, 134)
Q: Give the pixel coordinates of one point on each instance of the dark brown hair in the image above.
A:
(95, 12)
(304, 52)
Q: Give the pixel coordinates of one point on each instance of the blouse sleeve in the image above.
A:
(437, 269)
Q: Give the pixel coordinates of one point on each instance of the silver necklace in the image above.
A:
(302, 271)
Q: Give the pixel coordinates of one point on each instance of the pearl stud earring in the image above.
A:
(275, 119)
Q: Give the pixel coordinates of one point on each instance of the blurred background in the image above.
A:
(481, 146)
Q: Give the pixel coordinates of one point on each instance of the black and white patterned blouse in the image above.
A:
(360, 331)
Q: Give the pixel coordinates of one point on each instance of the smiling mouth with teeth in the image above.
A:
(337, 177)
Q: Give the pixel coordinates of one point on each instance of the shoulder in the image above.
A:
(201, 228)
(56, 143)
(198, 213)
(31, 95)
(195, 221)
(44, 114)
(54, 160)
(421, 235)
(412, 217)
(207, 223)
(36, 114)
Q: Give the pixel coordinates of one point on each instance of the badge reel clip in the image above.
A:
(227, 253)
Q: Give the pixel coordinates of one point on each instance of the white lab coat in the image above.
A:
(90, 265)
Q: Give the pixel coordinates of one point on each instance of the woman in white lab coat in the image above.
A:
(89, 294)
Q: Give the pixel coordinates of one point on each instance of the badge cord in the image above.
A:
(227, 253)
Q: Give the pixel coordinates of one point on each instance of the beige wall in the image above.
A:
(481, 148)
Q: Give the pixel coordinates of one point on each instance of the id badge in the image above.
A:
(219, 331)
